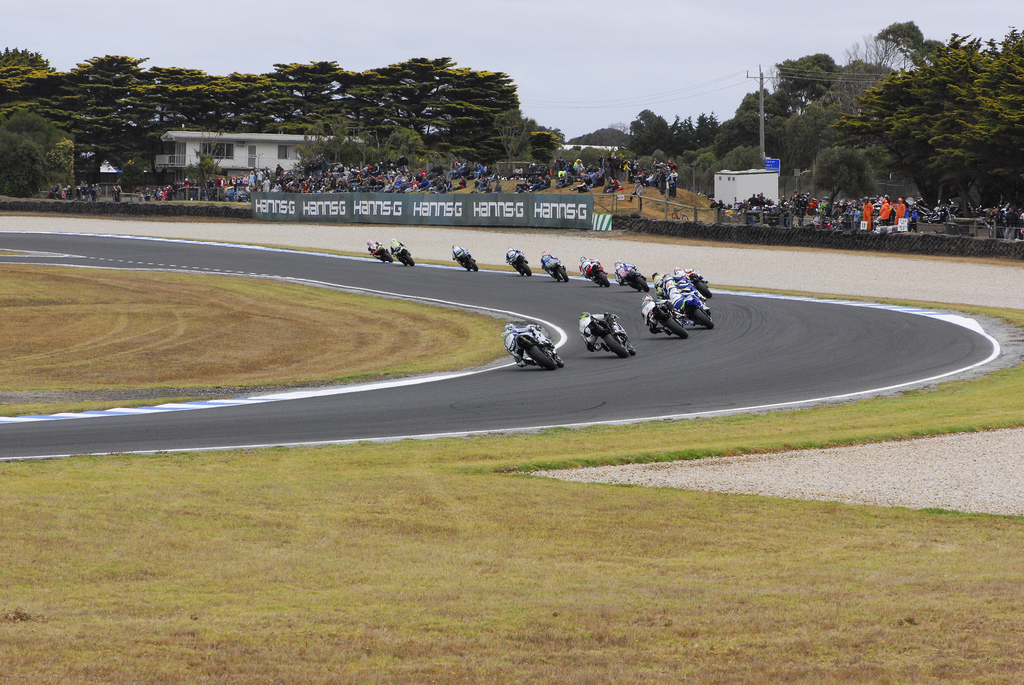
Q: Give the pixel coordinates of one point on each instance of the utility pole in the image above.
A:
(760, 96)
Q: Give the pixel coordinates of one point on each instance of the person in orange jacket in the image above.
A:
(867, 211)
(885, 213)
(901, 210)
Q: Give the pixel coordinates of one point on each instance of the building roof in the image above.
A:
(176, 135)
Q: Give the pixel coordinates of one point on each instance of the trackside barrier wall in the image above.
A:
(476, 209)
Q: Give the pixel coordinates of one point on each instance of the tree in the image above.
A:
(740, 158)
(648, 133)
(204, 169)
(515, 130)
(843, 171)
(33, 153)
(803, 82)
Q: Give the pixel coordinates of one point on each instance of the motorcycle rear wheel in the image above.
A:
(615, 346)
(702, 319)
(471, 265)
(525, 269)
(702, 288)
(386, 258)
(602, 279)
(562, 276)
(676, 328)
(542, 358)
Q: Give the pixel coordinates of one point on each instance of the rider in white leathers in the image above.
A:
(591, 339)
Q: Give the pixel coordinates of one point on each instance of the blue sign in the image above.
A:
(772, 164)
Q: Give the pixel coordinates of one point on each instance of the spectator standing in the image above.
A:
(867, 212)
(639, 193)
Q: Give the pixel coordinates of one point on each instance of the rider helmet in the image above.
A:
(509, 328)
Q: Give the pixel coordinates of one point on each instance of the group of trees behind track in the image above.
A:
(116, 110)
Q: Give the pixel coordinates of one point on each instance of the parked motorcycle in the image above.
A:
(535, 347)
(379, 251)
(553, 266)
(402, 253)
(517, 260)
(465, 260)
(661, 317)
(627, 274)
(592, 269)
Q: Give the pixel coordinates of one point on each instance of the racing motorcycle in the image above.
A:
(627, 274)
(692, 306)
(613, 336)
(553, 265)
(698, 281)
(536, 348)
(517, 260)
(379, 251)
(465, 260)
(661, 317)
(592, 269)
(401, 253)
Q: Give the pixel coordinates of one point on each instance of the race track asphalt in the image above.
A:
(761, 352)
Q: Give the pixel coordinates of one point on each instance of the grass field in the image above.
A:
(96, 330)
(439, 561)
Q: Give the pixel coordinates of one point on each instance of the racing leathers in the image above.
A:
(590, 334)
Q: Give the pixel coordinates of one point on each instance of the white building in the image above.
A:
(737, 186)
(234, 152)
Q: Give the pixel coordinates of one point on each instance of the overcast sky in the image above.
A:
(579, 66)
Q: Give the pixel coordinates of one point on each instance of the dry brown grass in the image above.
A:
(77, 328)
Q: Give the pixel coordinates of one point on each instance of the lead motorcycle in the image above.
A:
(662, 317)
(627, 274)
(592, 269)
(378, 251)
(534, 347)
(517, 260)
(401, 253)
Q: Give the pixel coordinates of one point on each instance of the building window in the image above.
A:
(218, 150)
(282, 152)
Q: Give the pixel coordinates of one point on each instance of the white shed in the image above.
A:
(737, 186)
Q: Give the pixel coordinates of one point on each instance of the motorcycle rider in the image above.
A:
(396, 246)
(622, 271)
(591, 338)
(460, 253)
(373, 247)
(587, 264)
(548, 261)
(511, 333)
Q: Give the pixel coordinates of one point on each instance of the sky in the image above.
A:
(578, 65)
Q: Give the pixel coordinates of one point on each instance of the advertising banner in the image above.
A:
(534, 210)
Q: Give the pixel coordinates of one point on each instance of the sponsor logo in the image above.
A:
(377, 208)
(427, 209)
(324, 208)
(560, 210)
(268, 206)
(499, 210)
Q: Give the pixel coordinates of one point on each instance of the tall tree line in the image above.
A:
(117, 109)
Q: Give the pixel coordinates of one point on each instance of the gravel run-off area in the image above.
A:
(977, 472)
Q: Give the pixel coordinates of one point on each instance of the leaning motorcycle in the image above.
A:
(465, 259)
(692, 307)
(554, 267)
(380, 252)
(698, 281)
(631, 276)
(539, 348)
(592, 269)
(661, 317)
(403, 255)
(517, 260)
(612, 336)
